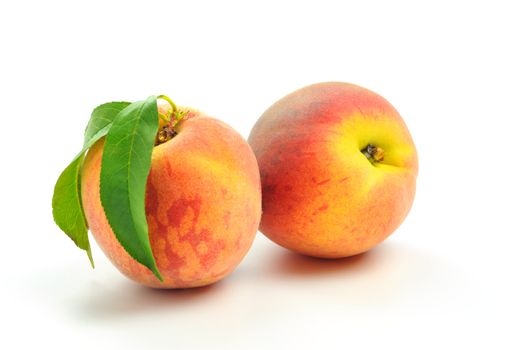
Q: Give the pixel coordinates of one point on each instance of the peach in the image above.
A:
(203, 205)
(338, 169)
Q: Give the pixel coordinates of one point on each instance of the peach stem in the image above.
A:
(373, 153)
(168, 131)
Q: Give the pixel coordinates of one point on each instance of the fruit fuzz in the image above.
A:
(338, 169)
(203, 201)
(174, 198)
(171, 195)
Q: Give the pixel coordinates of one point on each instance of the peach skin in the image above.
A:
(338, 169)
(203, 204)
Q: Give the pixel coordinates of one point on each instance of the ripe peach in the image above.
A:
(203, 205)
(338, 169)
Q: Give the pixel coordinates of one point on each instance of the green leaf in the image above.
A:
(102, 116)
(67, 203)
(67, 206)
(126, 161)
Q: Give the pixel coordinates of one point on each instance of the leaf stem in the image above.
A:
(164, 117)
(166, 98)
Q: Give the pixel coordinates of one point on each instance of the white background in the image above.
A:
(453, 275)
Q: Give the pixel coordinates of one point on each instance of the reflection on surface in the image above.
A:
(289, 263)
(390, 273)
(269, 282)
(128, 298)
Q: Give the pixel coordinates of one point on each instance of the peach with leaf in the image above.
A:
(171, 195)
